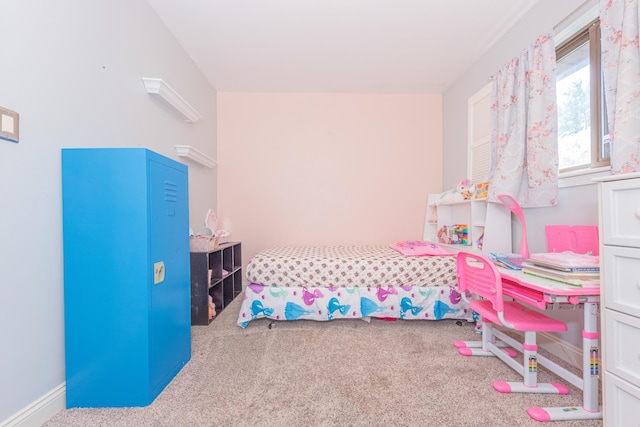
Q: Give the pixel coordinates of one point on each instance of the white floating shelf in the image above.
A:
(157, 87)
(195, 155)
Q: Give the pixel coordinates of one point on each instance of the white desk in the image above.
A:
(544, 294)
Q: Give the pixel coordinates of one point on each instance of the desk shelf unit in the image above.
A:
(488, 224)
(216, 273)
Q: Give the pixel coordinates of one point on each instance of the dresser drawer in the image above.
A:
(621, 286)
(620, 206)
(621, 402)
(622, 356)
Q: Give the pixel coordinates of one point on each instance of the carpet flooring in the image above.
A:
(339, 373)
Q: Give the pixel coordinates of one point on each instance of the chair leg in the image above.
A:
(480, 348)
(529, 371)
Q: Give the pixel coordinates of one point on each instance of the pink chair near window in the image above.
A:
(480, 277)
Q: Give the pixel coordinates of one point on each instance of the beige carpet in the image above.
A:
(339, 373)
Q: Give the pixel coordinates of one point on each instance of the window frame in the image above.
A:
(589, 34)
(565, 30)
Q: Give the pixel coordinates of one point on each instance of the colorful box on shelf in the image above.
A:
(482, 190)
(457, 234)
(203, 243)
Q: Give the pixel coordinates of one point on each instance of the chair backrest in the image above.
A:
(479, 276)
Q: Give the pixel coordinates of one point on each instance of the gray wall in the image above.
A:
(73, 70)
(576, 205)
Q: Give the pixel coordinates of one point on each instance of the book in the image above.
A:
(507, 260)
(570, 278)
(584, 275)
(556, 267)
(566, 261)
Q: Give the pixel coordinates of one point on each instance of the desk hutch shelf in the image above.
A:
(488, 224)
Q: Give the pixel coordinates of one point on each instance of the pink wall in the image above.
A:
(326, 169)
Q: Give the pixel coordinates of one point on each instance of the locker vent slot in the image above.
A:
(170, 191)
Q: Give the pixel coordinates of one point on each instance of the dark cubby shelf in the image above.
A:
(225, 284)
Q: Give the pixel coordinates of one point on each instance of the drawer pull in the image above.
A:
(637, 213)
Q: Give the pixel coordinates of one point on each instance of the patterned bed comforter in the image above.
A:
(350, 282)
(348, 266)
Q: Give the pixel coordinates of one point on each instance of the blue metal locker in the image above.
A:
(126, 275)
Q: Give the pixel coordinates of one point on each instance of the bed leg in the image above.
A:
(272, 325)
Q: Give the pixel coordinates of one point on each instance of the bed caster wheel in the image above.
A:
(272, 325)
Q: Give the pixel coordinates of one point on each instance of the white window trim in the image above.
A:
(573, 23)
(563, 31)
(582, 177)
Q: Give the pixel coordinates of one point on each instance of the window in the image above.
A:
(583, 141)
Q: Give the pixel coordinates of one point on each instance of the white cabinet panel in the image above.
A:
(623, 403)
(620, 298)
(621, 267)
(621, 213)
(623, 346)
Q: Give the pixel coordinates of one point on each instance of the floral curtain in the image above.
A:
(621, 70)
(524, 127)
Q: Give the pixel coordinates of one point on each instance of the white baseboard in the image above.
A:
(40, 410)
(561, 349)
(558, 347)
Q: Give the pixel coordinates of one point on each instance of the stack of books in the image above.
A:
(566, 267)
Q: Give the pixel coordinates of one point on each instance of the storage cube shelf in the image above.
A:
(488, 224)
(223, 284)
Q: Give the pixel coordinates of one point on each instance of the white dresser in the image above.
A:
(620, 298)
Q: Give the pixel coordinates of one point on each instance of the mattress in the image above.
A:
(348, 266)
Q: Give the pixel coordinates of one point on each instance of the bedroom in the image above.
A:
(74, 76)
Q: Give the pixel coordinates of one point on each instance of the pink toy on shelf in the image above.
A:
(514, 207)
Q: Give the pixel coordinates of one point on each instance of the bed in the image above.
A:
(406, 280)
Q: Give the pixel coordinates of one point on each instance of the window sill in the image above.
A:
(582, 177)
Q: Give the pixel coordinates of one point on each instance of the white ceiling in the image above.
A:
(353, 46)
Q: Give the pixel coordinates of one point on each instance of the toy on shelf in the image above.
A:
(212, 308)
(464, 190)
(208, 237)
(443, 235)
(482, 189)
(457, 234)
(433, 214)
(480, 241)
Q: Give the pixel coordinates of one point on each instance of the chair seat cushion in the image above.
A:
(520, 316)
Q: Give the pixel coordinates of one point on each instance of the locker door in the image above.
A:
(170, 315)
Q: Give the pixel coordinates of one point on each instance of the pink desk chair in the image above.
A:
(479, 276)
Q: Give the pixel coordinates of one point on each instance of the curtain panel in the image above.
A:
(619, 23)
(524, 127)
